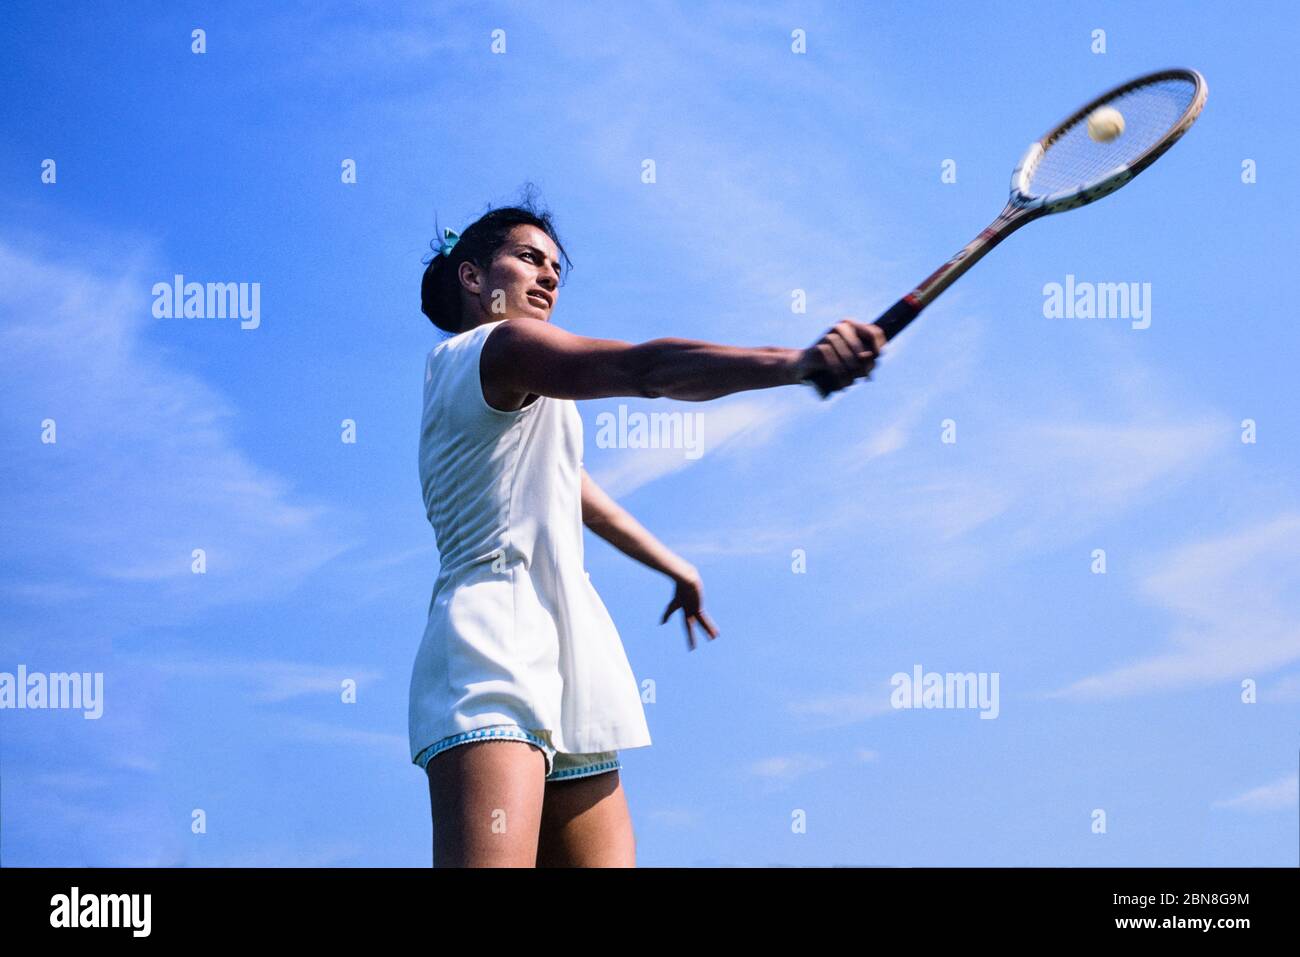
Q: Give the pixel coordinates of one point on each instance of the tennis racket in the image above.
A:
(1067, 169)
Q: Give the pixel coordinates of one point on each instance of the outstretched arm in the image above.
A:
(526, 356)
(614, 524)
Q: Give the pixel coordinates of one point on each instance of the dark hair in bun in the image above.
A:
(478, 243)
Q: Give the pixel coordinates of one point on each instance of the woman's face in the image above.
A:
(524, 278)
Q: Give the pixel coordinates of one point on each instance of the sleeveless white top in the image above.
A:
(516, 633)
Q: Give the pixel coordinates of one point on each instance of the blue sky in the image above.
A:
(775, 171)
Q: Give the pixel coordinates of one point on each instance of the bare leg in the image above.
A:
(486, 798)
(585, 823)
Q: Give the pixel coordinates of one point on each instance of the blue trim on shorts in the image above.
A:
(586, 770)
(515, 733)
(480, 734)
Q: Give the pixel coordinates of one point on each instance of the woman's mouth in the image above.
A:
(539, 299)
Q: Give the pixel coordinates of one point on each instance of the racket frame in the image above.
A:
(1023, 207)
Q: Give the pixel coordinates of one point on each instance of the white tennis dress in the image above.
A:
(516, 632)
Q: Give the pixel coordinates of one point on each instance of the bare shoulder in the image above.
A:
(510, 346)
(524, 356)
(517, 337)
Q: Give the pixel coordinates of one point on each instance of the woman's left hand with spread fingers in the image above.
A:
(689, 597)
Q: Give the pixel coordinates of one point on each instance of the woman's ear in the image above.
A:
(470, 276)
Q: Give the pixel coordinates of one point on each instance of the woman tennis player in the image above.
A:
(521, 692)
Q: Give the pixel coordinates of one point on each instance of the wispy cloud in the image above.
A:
(754, 539)
(726, 195)
(268, 681)
(836, 710)
(724, 428)
(787, 767)
(1281, 795)
(841, 454)
(1012, 485)
(711, 176)
(1235, 604)
(1041, 483)
(145, 468)
(320, 732)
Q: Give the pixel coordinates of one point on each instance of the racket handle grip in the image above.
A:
(894, 319)
(891, 322)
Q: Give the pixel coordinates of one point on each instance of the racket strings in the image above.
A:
(1073, 159)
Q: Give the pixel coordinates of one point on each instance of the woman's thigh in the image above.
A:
(486, 798)
(586, 823)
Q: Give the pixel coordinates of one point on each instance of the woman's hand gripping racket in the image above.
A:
(1095, 151)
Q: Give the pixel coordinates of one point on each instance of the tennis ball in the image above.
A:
(1105, 124)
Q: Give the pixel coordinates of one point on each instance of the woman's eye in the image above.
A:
(537, 257)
